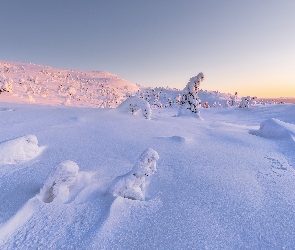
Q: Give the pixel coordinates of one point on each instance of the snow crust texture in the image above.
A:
(133, 184)
(19, 150)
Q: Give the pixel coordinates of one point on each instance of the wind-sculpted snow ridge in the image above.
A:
(58, 184)
(190, 102)
(274, 128)
(133, 184)
(19, 150)
(134, 104)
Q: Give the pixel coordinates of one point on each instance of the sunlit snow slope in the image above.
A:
(45, 85)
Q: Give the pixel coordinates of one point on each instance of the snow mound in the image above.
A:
(19, 150)
(59, 182)
(133, 184)
(134, 104)
(274, 128)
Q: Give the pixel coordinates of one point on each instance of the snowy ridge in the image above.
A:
(30, 83)
(45, 85)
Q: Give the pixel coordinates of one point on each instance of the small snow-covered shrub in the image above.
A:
(233, 100)
(19, 150)
(190, 102)
(245, 102)
(6, 84)
(59, 182)
(133, 184)
(134, 104)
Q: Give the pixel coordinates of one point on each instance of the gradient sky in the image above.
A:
(246, 46)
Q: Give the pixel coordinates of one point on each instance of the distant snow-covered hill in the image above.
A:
(46, 85)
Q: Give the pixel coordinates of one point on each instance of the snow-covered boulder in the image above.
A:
(19, 150)
(59, 182)
(134, 104)
(133, 184)
(274, 128)
(190, 102)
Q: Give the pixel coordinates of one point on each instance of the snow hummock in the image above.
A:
(19, 150)
(58, 184)
(133, 184)
(134, 104)
(274, 128)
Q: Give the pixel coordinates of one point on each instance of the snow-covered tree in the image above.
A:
(206, 105)
(245, 102)
(134, 104)
(190, 102)
(60, 182)
(133, 184)
(233, 100)
(169, 103)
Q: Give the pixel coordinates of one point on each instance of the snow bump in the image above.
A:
(274, 128)
(59, 182)
(19, 150)
(133, 184)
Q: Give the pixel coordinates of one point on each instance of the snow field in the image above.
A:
(216, 185)
(224, 182)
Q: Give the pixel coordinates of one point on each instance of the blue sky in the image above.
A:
(243, 45)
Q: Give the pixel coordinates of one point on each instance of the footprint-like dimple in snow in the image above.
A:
(19, 150)
(174, 138)
(6, 109)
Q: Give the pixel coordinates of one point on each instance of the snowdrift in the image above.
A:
(274, 128)
(19, 150)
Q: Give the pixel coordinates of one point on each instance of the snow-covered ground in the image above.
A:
(88, 178)
(221, 183)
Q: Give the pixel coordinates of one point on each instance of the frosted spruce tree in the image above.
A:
(133, 184)
(190, 102)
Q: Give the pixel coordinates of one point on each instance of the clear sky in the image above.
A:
(246, 46)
